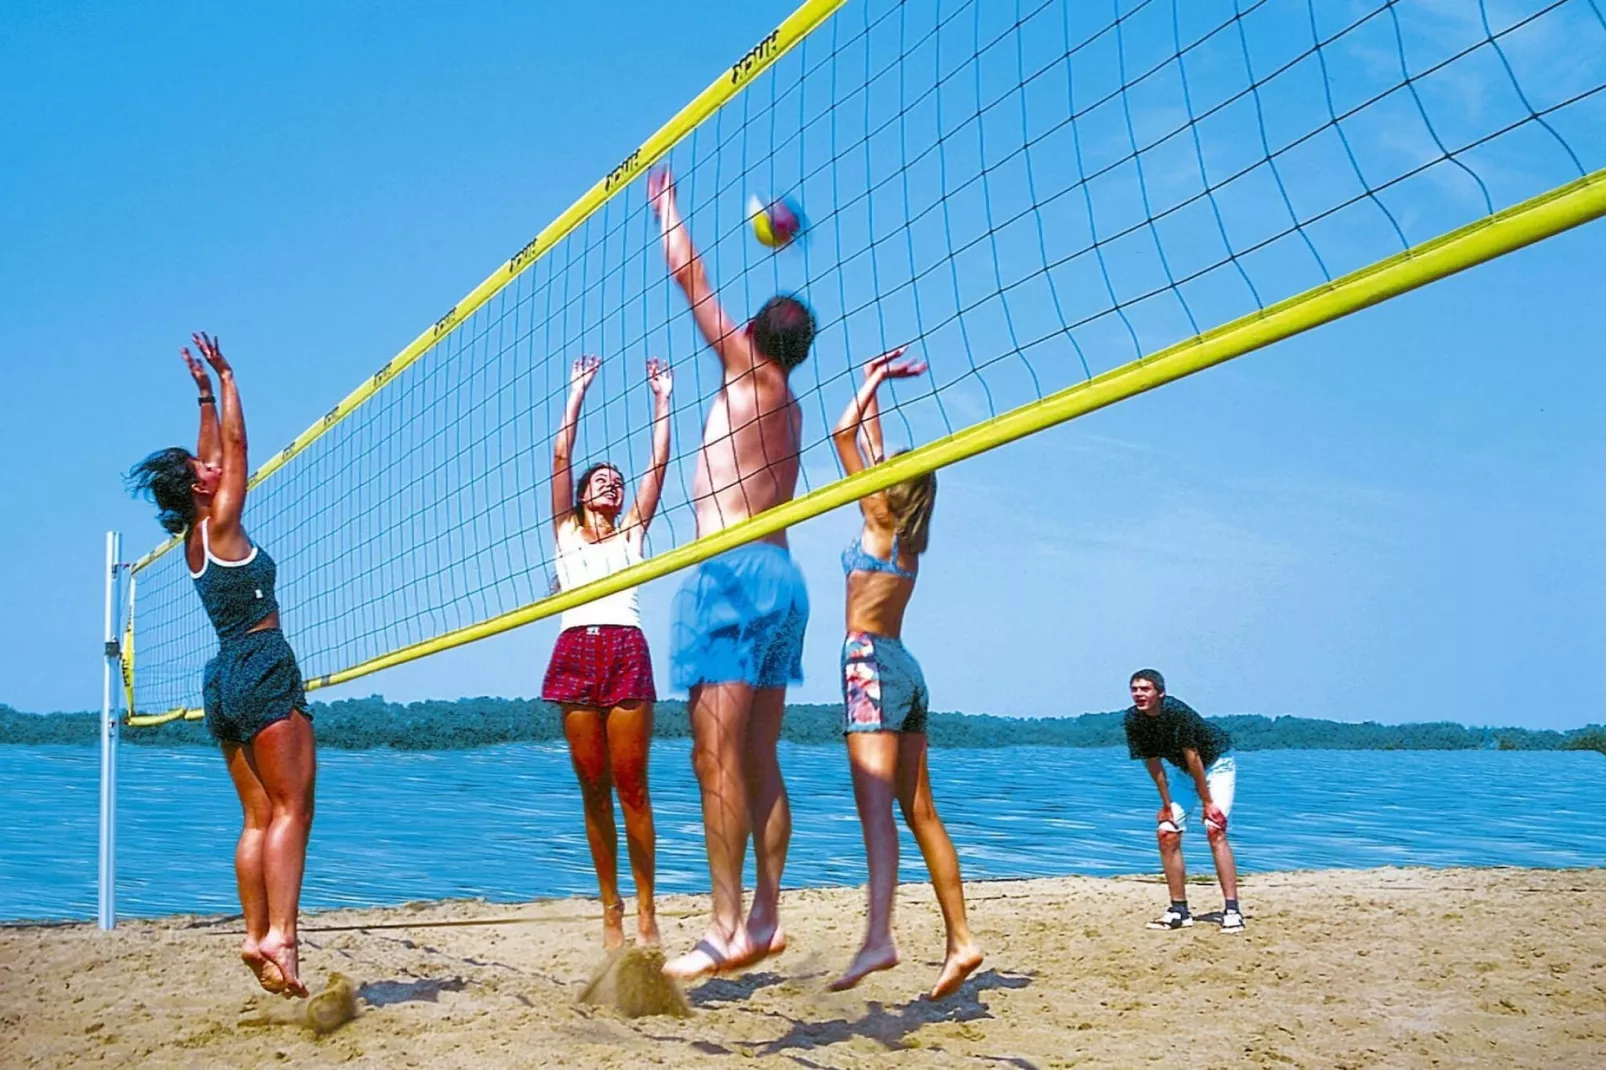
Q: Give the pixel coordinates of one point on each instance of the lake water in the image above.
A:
(504, 822)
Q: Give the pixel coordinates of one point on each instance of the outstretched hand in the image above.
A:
(208, 345)
(660, 378)
(888, 366)
(585, 369)
(198, 372)
(661, 191)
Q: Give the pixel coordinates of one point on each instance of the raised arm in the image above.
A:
(209, 443)
(580, 376)
(228, 501)
(858, 432)
(661, 381)
(729, 343)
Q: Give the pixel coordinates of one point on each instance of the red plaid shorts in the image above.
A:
(600, 666)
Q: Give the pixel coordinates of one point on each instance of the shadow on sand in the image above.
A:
(718, 990)
(888, 1026)
(425, 990)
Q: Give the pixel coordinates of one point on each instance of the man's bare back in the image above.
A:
(750, 455)
(740, 617)
(753, 437)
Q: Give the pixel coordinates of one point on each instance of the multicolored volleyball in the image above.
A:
(775, 224)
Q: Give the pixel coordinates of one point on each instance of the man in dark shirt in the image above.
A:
(1159, 729)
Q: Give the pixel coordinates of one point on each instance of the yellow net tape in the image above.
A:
(1523, 224)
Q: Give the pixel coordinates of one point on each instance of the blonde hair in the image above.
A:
(911, 504)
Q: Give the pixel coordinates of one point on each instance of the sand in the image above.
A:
(1384, 967)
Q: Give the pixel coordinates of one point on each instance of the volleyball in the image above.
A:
(775, 224)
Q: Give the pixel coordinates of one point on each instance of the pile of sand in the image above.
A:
(1387, 967)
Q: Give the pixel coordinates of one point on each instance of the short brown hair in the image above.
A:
(783, 330)
(1151, 675)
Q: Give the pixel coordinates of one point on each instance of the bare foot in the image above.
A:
(285, 957)
(713, 954)
(647, 926)
(613, 926)
(756, 945)
(871, 957)
(266, 973)
(960, 964)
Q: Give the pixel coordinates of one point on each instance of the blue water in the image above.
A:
(504, 822)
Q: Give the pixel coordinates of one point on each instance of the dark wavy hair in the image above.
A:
(783, 330)
(165, 477)
(584, 481)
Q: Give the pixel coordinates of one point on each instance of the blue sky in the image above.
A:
(1397, 517)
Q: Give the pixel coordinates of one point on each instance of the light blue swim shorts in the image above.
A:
(740, 618)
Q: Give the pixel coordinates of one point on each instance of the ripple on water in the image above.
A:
(505, 822)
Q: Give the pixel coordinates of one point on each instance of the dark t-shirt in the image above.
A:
(1175, 728)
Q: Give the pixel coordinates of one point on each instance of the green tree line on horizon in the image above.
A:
(372, 722)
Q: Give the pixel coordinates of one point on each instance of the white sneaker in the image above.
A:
(1232, 921)
(1173, 920)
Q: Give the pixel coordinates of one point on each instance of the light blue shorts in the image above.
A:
(740, 618)
(1221, 776)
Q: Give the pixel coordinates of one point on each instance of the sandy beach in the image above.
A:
(1358, 968)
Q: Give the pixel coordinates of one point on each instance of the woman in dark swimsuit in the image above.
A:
(255, 707)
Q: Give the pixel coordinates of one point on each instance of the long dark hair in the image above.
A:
(584, 482)
(165, 477)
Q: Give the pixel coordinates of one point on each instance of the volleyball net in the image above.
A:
(1056, 205)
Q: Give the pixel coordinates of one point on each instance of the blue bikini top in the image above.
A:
(855, 558)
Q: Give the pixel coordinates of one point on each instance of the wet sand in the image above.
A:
(1354, 968)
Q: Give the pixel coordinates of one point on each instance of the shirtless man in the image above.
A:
(739, 617)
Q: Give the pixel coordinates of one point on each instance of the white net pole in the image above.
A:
(111, 660)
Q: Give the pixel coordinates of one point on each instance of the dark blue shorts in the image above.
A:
(253, 682)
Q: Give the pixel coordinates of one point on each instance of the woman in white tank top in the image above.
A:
(600, 674)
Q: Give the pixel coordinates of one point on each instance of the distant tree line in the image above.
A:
(366, 723)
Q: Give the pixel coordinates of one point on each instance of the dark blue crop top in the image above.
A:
(237, 595)
(855, 558)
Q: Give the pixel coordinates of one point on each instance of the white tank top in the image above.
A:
(581, 561)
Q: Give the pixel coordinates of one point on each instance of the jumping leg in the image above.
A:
(873, 757)
(719, 719)
(587, 732)
(258, 813)
(964, 954)
(629, 736)
(770, 811)
(283, 756)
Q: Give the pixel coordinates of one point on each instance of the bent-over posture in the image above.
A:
(252, 689)
(1162, 729)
